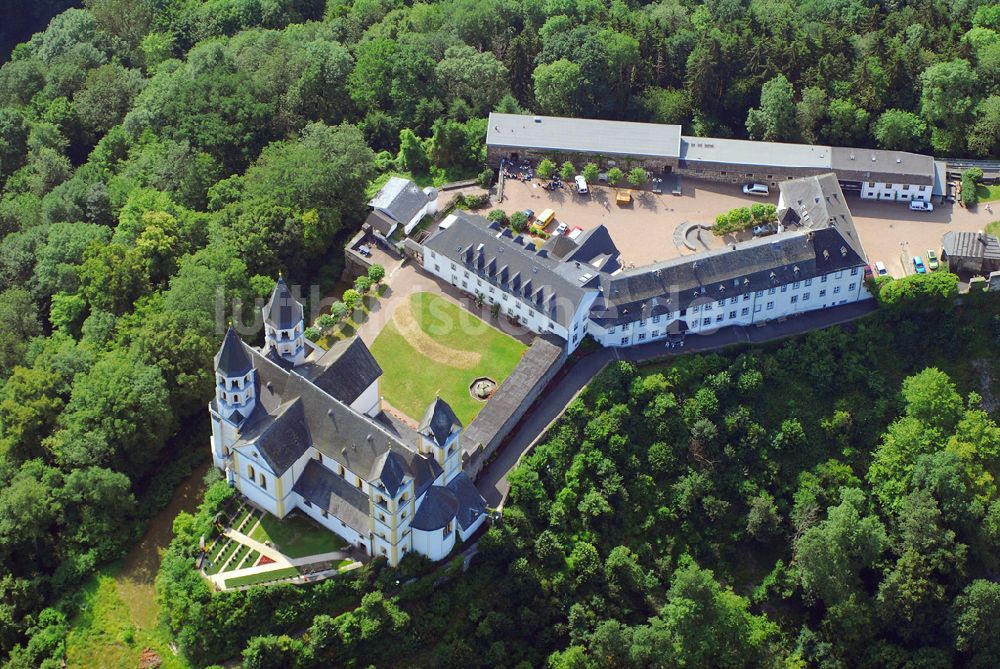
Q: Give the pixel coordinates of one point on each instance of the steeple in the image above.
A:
(439, 433)
(283, 324)
(234, 379)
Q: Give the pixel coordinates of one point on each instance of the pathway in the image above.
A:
(492, 482)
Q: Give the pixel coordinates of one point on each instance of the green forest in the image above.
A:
(160, 158)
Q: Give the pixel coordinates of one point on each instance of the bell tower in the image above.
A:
(284, 330)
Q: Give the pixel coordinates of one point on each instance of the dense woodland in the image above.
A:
(160, 156)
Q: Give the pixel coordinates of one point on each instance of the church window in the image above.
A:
(263, 482)
(340, 470)
(358, 483)
(448, 528)
(251, 473)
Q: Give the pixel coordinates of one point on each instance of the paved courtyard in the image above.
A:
(646, 231)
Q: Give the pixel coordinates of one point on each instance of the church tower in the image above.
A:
(235, 395)
(284, 330)
(439, 432)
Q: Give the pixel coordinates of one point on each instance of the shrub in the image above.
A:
(326, 321)
(475, 201)
(970, 178)
(518, 221)
(351, 299)
(758, 211)
(615, 176)
(338, 310)
(546, 168)
(568, 171)
(362, 284)
(486, 178)
(376, 273)
(312, 334)
(590, 172)
(498, 216)
(637, 176)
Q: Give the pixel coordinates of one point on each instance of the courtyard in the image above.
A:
(650, 229)
(427, 346)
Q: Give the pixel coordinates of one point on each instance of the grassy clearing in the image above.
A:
(988, 193)
(296, 536)
(264, 577)
(406, 383)
(113, 628)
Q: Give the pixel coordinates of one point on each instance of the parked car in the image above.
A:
(756, 189)
(575, 232)
(869, 272)
(932, 260)
(880, 269)
(763, 230)
(581, 185)
(529, 213)
(918, 264)
(561, 229)
(920, 205)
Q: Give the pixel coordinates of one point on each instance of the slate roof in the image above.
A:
(281, 438)
(749, 153)
(339, 433)
(282, 312)
(971, 245)
(439, 421)
(344, 371)
(401, 199)
(555, 289)
(331, 493)
(232, 359)
(391, 470)
(471, 504)
(596, 248)
(579, 135)
(438, 508)
(883, 166)
(819, 238)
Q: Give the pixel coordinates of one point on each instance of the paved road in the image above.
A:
(492, 482)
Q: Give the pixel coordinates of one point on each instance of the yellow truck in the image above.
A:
(545, 218)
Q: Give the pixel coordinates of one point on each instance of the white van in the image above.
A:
(581, 185)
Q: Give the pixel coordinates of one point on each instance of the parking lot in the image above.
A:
(645, 231)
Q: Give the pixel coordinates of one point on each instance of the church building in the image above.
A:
(297, 427)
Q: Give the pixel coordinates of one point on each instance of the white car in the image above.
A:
(756, 189)
(880, 269)
(920, 205)
(581, 185)
(561, 229)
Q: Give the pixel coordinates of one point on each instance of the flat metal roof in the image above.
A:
(580, 135)
(748, 152)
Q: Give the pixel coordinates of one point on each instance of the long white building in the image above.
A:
(572, 288)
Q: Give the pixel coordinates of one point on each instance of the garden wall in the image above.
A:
(510, 402)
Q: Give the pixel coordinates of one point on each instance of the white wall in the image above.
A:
(839, 287)
(465, 534)
(433, 544)
(368, 401)
(877, 190)
(332, 523)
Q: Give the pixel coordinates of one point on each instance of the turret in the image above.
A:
(284, 330)
(439, 433)
(234, 379)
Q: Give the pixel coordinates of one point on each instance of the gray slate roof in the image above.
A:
(883, 166)
(715, 150)
(282, 312)
(970, 245)
(470, 503)
(822, 242)
(437, 509)
(439, 421)
(331, 493)
(401, 199)
(318, 419)
(232, 359)
(555, 289)
(578, 135)
(344, 371)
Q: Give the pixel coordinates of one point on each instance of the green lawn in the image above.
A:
(412, 379)
(296, 536)
(988, 193)
(263, 577)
